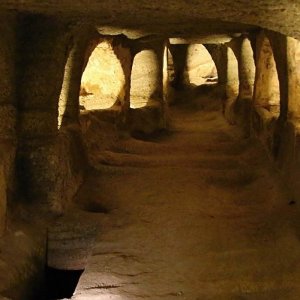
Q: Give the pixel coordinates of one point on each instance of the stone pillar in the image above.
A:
(288, 133)
(293, 60)
(266, 90)
(122, 49)
(7, 112)
(148, 110)
(246, 70)
(232, 86)
(242, 49)
(219, 55)
(179, 53)
(42, 54)
(278, 43)
(78, 56)
(267, 95)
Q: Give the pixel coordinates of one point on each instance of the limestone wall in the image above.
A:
(7, 113)
(44, 170)
(288, 127)
(267, 93)
(181, 17)
(293, 55)
(3, 201)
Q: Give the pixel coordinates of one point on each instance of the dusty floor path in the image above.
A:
(195, 213)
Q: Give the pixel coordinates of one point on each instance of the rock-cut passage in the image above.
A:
(194, 213)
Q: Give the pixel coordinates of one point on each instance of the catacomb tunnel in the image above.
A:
(150, 150)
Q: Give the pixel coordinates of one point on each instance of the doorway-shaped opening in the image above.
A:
(200, 67)
(294, 78)
(103, 80)
(267, 90)
(146, 79)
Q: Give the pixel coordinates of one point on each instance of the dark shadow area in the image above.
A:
(61, 284)
(157, 136)
(94, 207)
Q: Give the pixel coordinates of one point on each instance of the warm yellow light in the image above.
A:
(200, 65)
(103, 80)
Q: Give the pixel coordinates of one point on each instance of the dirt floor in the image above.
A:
(196, 212)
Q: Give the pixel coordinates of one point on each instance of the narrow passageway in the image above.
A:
(150, 151)
(193, 213)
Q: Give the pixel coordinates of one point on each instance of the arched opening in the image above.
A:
(267, 91)
(145, 79)
(200, 67)
(103, 80)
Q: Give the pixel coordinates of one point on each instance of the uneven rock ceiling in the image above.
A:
(170, 18)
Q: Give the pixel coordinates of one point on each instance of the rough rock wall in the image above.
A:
(266, 98)
(287, 131)
(243, 52)
(3, 201)
(43, 162)
(7, 113)
(267, 93)
(293, 54)
(182, 16)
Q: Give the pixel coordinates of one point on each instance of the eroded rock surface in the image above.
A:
(219, 227)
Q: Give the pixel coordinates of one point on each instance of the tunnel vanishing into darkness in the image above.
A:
(150, 151)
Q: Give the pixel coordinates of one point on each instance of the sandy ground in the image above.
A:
(193, 213)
